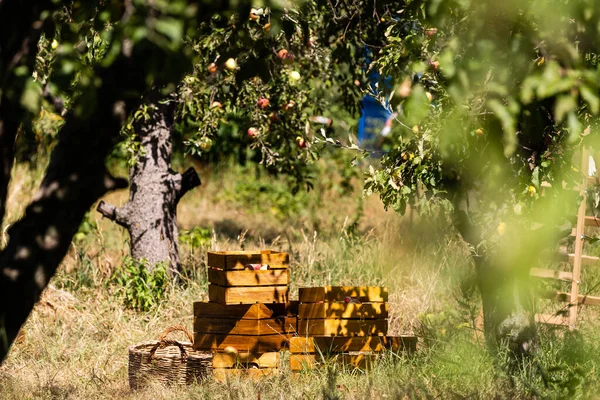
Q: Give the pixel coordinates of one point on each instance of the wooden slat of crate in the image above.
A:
(227, 360)
(223, 374)
(298, 362)
(340, 309)
(371, 294)
(248, 295)
(328, 344)
(342, 327)
(269, 277)
(245, 311)
(252, 327)
(243, 344)
(231, 260)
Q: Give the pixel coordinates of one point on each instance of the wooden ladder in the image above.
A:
(577, 259)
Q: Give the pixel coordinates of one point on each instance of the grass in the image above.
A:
(75, 342)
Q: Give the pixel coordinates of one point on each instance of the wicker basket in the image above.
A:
(167, 361)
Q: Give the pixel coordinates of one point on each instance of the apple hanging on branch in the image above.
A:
(253, 132)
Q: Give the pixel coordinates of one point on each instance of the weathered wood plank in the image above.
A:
(236, 260)
(328, 344)
(340, 309)
(566, 297)
(551, 274)
(244, 360)
(551, 319)
(342, 327)
(375, 294)
(242, 344)
(299, 362)
(252, 327)
(585, 260)
(248, 295)
(269, 277)
(204, 309)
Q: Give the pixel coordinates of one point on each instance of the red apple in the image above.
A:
(285, 56)
(252, 132)
(431, 32)
(263, 103)
(216, 104)
(289, 105)
(300, 142)
(267, 27)
(212, 68)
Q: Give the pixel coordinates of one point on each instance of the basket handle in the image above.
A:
(176, 328)
(164, 342)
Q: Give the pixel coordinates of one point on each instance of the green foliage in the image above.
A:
(196, 237)
(140, 288)
(259, 195)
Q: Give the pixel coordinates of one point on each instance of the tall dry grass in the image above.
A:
(75, 342)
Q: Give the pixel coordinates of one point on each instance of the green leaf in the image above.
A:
(171, 28)
(564, 105)
(508, 125)
(591, 98)
(31, 97)
(417, 105)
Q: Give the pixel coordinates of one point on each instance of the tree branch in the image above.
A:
(187, 181)
(113, 213)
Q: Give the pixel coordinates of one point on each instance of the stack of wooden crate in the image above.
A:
(248, 318)
(348, 324)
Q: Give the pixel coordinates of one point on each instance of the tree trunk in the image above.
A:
(150, 215)
(504, 284)
(20, 28)
(507, 308)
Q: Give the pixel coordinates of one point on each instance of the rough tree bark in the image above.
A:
(75, 179)
(504, 287)
(150, 215)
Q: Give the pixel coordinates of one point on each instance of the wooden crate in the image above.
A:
(343, 311)
(338, 309)
(328, 344)
(251, 327)
(203, 309)
(237, 260)
(248, 294)
(231, 278)
(246, 360)
(342, 327)
(242, 343)
(355, 352)
(248, 328)
(370, 294)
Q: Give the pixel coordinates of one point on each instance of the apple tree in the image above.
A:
(105, 56)
(492, 100)
(259, 78)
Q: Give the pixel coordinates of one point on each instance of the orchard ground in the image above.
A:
(74, 345)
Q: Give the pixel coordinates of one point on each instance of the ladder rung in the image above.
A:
(551, 274)
(592, 221)
(582, 299)
(585, 260)
(550, 319)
